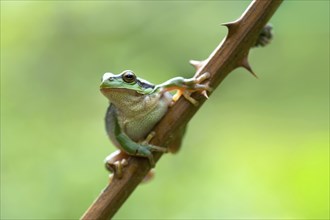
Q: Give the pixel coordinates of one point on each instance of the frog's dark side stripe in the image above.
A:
(145, 85)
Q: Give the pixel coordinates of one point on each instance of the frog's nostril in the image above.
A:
(107, 77)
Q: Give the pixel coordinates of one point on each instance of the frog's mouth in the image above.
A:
(111, 92)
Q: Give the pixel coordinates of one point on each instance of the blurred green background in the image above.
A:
(256, 149)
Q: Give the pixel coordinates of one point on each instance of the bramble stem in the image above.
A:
(231, 53)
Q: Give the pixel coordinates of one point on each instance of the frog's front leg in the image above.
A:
(186, 86)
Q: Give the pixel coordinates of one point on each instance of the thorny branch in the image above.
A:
(231, 53)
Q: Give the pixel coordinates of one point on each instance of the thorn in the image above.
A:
(204, 93)
(245, 64)
(229, 24)
(232, 26)
(197, 64)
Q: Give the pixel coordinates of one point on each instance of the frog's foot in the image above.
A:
(146, 141)
(193, 85)
(147, 152)
(116, 162)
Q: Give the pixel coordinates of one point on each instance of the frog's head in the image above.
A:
(124, 84)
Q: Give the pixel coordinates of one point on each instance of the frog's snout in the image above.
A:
(106, 79)
(107, 76)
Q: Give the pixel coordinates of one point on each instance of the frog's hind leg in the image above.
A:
(152, 148)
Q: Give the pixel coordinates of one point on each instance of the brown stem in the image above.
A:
(230, 54)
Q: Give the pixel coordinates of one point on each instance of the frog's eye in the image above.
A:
(129, 77)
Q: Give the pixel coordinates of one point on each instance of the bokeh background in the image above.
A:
(258, 149)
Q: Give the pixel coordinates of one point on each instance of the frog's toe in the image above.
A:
(176, 96)
(154, 148)
(203, 77)
(116, 162)
(187, 96)
(202, 87)
(195, 85)
(117, 167)
(150, 136)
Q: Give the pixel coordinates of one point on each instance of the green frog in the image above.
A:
(136, 106)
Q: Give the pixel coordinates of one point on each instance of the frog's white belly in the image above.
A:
(137, 128)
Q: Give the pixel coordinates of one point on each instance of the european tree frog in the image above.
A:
(135, 107)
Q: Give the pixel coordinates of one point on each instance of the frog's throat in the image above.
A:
(131, 103)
